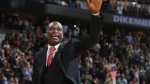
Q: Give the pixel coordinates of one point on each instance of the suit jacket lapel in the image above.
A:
(42, 61)
(44, 57)
(59, 52)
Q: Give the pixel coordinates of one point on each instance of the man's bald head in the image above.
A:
(54, 23)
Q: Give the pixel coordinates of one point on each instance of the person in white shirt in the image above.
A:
(119, 9)
(122, 80)
(89, 60)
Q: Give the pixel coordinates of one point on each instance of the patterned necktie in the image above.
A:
(50, 56)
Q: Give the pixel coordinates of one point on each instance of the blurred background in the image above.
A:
(122, 55)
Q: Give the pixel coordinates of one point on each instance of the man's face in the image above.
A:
(54, 33)
(122, 76)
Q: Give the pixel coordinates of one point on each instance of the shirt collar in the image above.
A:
(56, 46)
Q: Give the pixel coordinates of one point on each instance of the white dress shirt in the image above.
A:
(48, 51)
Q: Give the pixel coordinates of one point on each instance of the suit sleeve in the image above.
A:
(93, 37)
(35, 73)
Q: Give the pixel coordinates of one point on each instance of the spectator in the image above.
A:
(78, 4)
(16, 80)
(27, 72)
(87, 78)
(107, 66)
(2, 36)
(88, 60)
(12, 81)
(30, 29)
(38, 33)
(127, 76)
(96, 61)
(5, 80)
(47, 21)
(112, 64)
(103, 74)
(22, 26)
(112, 6)
(7, 47)
(94, 72)
(3, 21)
(122, 80)
(110, 80)
(8, 72)
(129, 38)
(134, 81)
(96, 81)
(119, 9)
(27, 80)
(17, 42)
(113, 73)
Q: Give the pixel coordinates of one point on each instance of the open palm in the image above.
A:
(94, 5)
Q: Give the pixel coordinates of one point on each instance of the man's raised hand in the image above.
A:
(94, 5)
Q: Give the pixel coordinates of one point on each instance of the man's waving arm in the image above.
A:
(95, 27)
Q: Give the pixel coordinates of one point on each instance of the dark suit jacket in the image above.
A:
(68, 54)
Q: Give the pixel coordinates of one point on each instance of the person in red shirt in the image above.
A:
(38, 33)
(17, 42)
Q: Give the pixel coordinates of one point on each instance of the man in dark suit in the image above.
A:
(58, 64)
